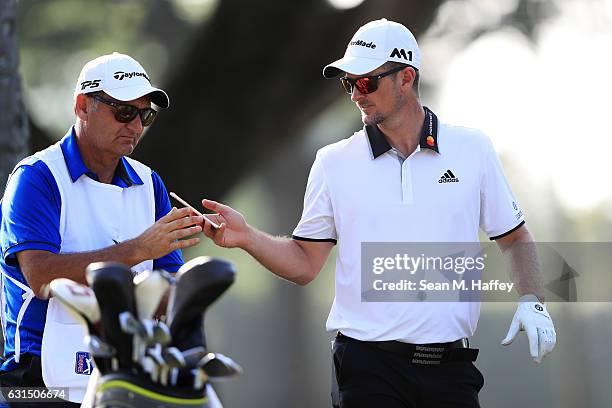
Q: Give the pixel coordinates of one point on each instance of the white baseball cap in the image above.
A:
(374, 44)
(121, 77)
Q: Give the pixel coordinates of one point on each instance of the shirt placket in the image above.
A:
(406, 175)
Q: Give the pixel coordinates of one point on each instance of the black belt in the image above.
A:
(426, 354)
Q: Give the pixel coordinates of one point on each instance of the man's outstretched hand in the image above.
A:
(233, 230)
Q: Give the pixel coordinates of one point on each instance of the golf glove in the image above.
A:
(532, 317)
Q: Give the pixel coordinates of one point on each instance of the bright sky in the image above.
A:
(544, 105)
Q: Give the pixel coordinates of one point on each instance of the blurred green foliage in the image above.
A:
(57, 37)
(50, 32)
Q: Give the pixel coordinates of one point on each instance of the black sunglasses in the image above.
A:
(367, 84)
(126, 113)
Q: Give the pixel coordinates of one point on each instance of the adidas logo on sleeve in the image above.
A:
(448, 177)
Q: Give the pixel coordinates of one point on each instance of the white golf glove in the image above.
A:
(532, 317)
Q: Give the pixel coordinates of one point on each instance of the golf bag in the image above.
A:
(142, 362)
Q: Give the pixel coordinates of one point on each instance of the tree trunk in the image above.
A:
(13, 119)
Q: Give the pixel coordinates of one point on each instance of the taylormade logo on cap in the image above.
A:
(363, 43)
(374, 44)
(121, 77)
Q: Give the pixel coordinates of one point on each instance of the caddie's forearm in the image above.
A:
(41, 267)
(281, 256)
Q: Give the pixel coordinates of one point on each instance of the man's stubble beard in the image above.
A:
(379, 118)
(372, 120)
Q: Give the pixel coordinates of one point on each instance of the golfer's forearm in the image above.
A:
(41, 267)
(524, 266)
(281, 256)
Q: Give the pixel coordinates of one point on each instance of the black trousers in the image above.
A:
(29, 374)
(367, 376)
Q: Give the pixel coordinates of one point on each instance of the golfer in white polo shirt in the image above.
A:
(405, 177)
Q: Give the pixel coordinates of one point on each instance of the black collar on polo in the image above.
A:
(429, 135)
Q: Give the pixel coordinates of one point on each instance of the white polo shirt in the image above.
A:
(362, 190)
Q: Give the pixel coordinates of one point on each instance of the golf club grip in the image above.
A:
(199, 283)
(114, 288)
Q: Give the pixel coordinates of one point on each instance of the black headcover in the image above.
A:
(113, 285)
(199, 283)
